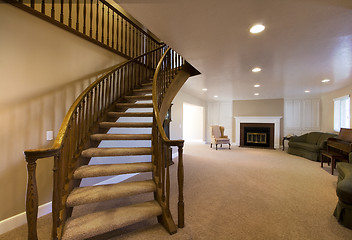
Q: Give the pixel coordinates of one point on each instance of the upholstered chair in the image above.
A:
(218, 137)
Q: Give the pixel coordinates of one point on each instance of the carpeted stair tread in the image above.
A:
(130, 114)
(139, 97)
(134, 105)
(109, 152)
(150, 83)
(92, 194)
(142, 90)
(100, 137)
(126, 124)
(105, 221)
(111, 169)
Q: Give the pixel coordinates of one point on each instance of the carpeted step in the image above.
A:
(139, 98)
(92, 194)
(105, 221)
(142, 91)
(126, 124)
(134, 105)
(110, 152)
(147, 84)
(130, 114)
(111, 169)
(100, 137)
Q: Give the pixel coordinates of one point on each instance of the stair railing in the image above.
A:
(170, 63)
(79, 123)
(96, 21)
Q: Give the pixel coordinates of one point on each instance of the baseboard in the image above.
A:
(20, 219)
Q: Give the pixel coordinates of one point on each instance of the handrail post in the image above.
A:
(32, 198)
(180, 177)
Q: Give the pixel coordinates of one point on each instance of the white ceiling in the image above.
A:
(305, 41)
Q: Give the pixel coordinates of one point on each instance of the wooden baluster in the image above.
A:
(86, 119)
(102, 23)
(53, 9)
(97, 22)
(81, 125)
(130, 40)
(96, 104)
(62, 12)
(43, 6)
(126, 29)
(133, 41)
(32, 198)
(70, 13)
(108, 28)
(163, 161)
(117, 33)
(180, 177)
(84, 16)
(32, 4)
(91, 19)
(113, 30)
(77, 16)
(167, 162)
(91, 111)
(56, 198)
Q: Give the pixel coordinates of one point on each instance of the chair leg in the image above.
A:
(229, 145)
(216, 146)
(211, 145)
(220, 145)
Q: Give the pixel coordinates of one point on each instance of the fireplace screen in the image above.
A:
(256, 138)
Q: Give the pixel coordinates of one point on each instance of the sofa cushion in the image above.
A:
(305, 146)
(313, 137)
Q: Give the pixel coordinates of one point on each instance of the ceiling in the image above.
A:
(305, 41)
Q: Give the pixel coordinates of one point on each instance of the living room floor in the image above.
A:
(242, 193)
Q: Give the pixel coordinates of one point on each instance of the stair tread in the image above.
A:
(135, 105)
(111, 169)
(108, 152)
(126, 124)
(139, 97)
(100, 137)
(92, 194)
(130, 114)
(101, 222)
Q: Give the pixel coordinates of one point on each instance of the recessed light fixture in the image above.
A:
(257, 85)
(325, 80)
(215, 96)
(256, 94)
(257, 28)
(307, 91)
(205, 89)
(256, 69)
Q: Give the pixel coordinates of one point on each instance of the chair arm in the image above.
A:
(301, 138)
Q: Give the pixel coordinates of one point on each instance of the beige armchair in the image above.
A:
(218, 137)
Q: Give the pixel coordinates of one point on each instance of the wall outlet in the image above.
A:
(49, 135)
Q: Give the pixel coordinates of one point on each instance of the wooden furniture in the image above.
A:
(338, 148)
(218, 137)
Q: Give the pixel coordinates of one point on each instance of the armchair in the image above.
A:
(218, 137)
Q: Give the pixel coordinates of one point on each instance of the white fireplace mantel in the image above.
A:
(259, 119)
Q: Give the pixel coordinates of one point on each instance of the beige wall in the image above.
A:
(327, 108)
(43, 69)
(264, 107)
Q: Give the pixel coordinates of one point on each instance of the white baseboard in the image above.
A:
(20, 219)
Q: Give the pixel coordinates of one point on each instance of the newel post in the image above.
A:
(32, 199)
(181, 205)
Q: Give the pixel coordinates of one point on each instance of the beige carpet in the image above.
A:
(241, 193)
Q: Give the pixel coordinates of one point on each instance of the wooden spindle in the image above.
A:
(126, 29)
(77, 16)
(108, 28)
(180, 177)
(118, 43)
(102, 23)
(43, 6)
(53, 9)
(167, 162)
(91, 19)
(32, 198)
(32, 4)
(62, 12)
(56, 197)
(130, 40)
(70, 13)
(113, 30)
(97, 22)
(133, 42)
(84, 16)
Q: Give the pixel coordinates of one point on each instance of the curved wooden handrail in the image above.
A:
(49, 152)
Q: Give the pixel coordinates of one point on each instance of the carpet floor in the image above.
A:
(242, 193)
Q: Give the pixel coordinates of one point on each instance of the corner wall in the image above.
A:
(43, 69)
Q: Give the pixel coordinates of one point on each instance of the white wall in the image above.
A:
(219, 113)
(193, 122)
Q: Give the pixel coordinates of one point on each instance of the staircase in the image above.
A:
(133, 115)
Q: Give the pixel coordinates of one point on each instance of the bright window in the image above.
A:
(341, 113)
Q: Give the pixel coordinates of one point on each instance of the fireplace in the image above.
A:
(257, 135)
(274, 129)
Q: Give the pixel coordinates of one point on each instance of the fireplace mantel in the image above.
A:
(259, 119)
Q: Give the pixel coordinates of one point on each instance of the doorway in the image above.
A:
(193, 123)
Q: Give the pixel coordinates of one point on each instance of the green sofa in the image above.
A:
(309, 145)
(343, 210)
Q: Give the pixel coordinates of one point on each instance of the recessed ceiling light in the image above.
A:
(257, 69)
(256, 94)
(215, 96)
(257, 85)
(205, 89)
(307, 91)
(257, 28)
(325, 80)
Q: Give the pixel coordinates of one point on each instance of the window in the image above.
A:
(341, 113)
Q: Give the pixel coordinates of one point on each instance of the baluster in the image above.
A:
(96, 104)
(108, 28)
(167, 162)
(56, 198)
(117, 33)
(91, 19)
(180, 176)
(77, 17)
(97, 21)
(102, 98)
(91, 112)
(53, 9)
(62, 12)
(130, 40)
(84, 16)
(32, 198)
(86, 122)
(70, 13)
(43, 6)
(32, 4)
(113, 30)
(163, 165)
(76, 133)
(126, 37)
(80, 124)
(102, 23)
(133, 42)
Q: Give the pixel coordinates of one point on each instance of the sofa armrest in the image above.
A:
(323, 144)
(301, 138)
